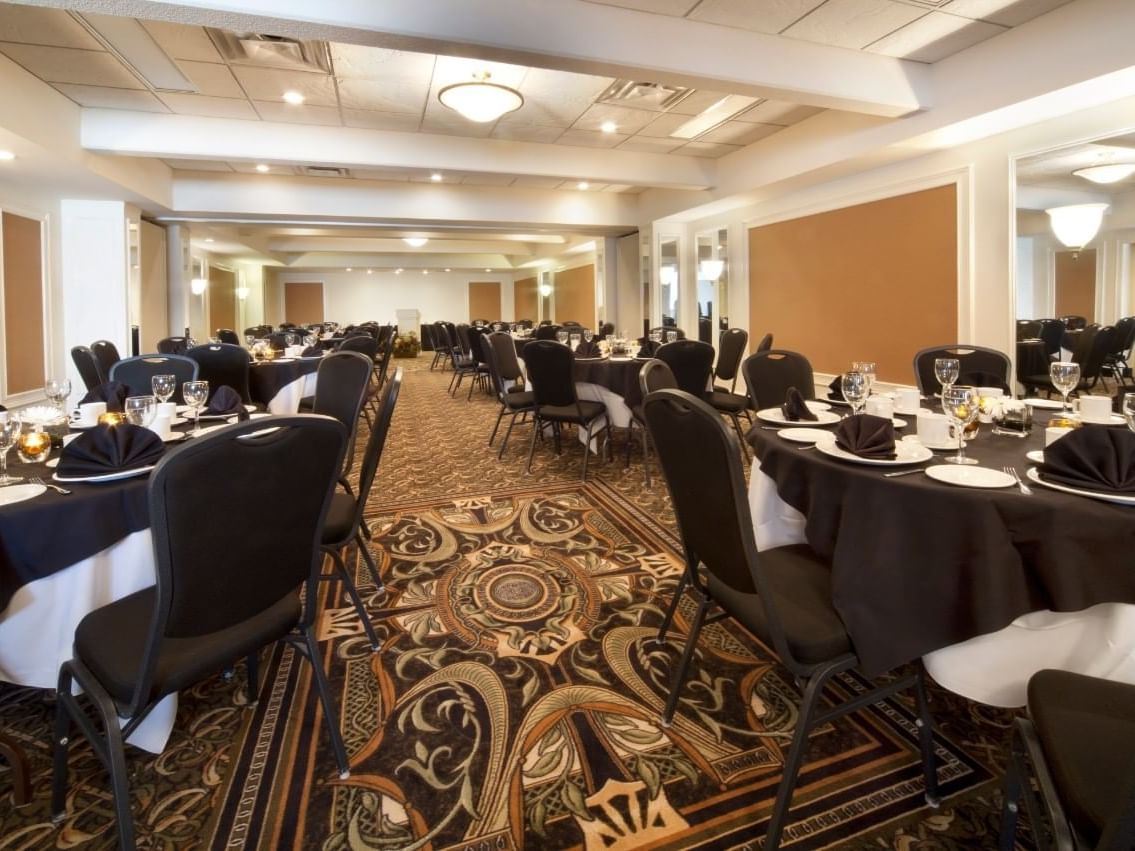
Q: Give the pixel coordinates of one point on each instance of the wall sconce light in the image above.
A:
(1077, 224)
(710, 270)
(242, 293)
(198, 286)
(545, 290)
(668, 275)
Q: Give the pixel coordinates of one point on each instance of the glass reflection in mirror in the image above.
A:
(713, 284)
(647, 291)
(545, 291)
(668, 280)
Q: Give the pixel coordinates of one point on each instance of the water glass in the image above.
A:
(196, 393)
(588, 334)
(574, 340)
(960, 404)
(140, 410)
(854, 387)
(1128, 409)
(57, 390)
(562, 336)
(163, 386)
(671, 336)
(10, 430)
(946, 371)
(656, 335)
(1065, 377)
(866, 367)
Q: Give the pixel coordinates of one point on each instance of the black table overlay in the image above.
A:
(918, 565)
(620, 376)
(266, 379)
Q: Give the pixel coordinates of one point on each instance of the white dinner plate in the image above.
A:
(970, 477)
(948, 446)
(804, 435)
(906, 452)
(1114, 419)
(18, 493)
(282, 360)
(185, 409)
(109, 477)
(175, 437)
(1036, 456)
(1033, 476)
(843, 403)
(776, 415)
(1045, 404)
(815, 405)
(52, 464)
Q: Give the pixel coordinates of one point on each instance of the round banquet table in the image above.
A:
(281, 384)
(988, 586)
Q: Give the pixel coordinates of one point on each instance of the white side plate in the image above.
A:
(970, 477)
(804, 435)
(776, 415)
(18, 493)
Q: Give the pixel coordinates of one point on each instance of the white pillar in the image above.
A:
(179, 268)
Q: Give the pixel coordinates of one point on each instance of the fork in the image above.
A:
(1012, 471)
(36, 480)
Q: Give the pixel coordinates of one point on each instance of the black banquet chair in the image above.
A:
(106, 356)
(769, 374)
(691, 361)
(730, 351)
(654, 375)
(1079, 738)
(228, 335)
(977, 365)
(781, 595)
(136, 373)
(173, 345)
(508, 380)
(223, 592)
(87, 366)
(223, 365)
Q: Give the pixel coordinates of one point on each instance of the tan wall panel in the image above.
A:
(1076, 284)
(222, 299)
(524, 299)
(155, 289)
(875, 281)
(303, 302)
(575, 295)
(23, 303)
(484, 300)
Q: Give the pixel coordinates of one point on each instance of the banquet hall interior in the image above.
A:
(619, 605)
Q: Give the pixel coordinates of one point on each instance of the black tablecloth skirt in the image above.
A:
(618, 376)
(265, 380)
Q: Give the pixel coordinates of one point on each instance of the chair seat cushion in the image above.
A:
(569, 413)
(1086, 726)
(518, 401)
(339, 525)
(801, 584)
(110, 642)
(733, 403)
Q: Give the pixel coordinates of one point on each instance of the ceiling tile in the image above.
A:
(287, 113)
(739, 133)
(269, 84)
(674, 8)
(1009, 13)
(449, 123)
(107, 98)
(182, 41)
(591, 138)
(64, 65)
(620, 187)
(31, 25)
(517, 132)
(557, 98)
(277, 169)
(934, 37)
(380, 174)
(627, 121)
(535, 182)
(777, 112)
(212, 79)
(400, 94)
(707, 149)
(457, 69)
(697, 102)
(372, 120)
(763, 16)
(487, 180)
(198, 165)
(662, 126)
(209, 107)
(648, 145)
(853, 23)
(574, 186)
(362, 61)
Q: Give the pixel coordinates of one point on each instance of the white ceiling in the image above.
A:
(1053, 170)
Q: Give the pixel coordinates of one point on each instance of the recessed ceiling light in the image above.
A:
(293, 97)
(369, 271)
(583, 184)
(263, 167)
(425, 271)
(349, 269)
(415, 241)
(488, 270)
(608, 126)
(208, 239)
(713, 115)
(1106, 172)
(397, 271)
(449, 270)
(7, 155)
(436, 177)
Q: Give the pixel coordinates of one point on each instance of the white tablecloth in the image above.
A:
(993, 668)
(287, 399)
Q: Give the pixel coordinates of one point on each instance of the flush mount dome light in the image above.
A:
(415, 241)
(480, 100)
(1106, 172)
(1077, 224)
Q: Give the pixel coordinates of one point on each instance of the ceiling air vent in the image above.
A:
(642, 95)
(323, 171)
(271, 51)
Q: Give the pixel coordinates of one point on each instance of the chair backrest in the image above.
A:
(228, 335)
(655, 375)
(550, 366)
(136, 373)
(606, 329)
(1124, 337)
(1074, 322)
(730, 350)
(476, 350)
(341, 386)
(769, 374)
(173, 345)
(106, 355)
(1028, 329)
(88, 368)
(546, 332)
(278, 340)
(213, 576)
(223, 365)
(362, 343)
(508, 365)
(1052, 332)
(1082, 343)
(977, 365)
(701, 461)
(1096, 350)
(691, 361)
(377, 441)
(765, 344)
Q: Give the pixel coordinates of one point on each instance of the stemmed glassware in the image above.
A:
(588, 334)
(868, 369)
(946, 371)
(249, 339)
(562, 337)
(57, 390)
(960, 404)
(9, 433)
(1065, 377)
(140, 410)
(854, 386)
(163, 386)
(196, 393)
(1129, 409)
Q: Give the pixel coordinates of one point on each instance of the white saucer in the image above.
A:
(1114, 419)
(1045, 404)
(804, 435)
(970, 477)
(1036, 456)
(899, 423)
(18, 493)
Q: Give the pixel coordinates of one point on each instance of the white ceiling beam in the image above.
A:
(142, 134)
(570, 35)
(435, 246)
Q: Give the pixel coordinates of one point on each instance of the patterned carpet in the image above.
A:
(515, 700)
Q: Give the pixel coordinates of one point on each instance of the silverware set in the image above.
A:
(36, 480)
(1012, 471)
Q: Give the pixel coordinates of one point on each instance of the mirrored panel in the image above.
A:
(713, 284)
(668, 279)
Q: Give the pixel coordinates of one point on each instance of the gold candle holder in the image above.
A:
(33, 446)
(112, 418)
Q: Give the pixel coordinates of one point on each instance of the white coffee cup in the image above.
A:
(880, 406)
(1053, 434)
(935, 429)
(161, 427)
(991, 392)
(1094, 409)
(166, 409)
(907, 400)
(89, 413)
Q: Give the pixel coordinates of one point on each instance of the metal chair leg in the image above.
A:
(687, 655)
(669, 618)
(493, 436)
(353, 593)
(925, 724)
(532, 447)
(586, 451)
(329, 712)
(368, 559)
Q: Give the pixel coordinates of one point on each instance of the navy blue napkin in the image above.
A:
(225, 401)
(1095, 458)
(113, 393)
(794, 407)
(109, 449)
(867, 436)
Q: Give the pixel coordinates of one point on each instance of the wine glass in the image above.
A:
(655, 335)
(163, 386)
(574, 341)
(1129, 409)
(562, 336)
(249, 339)
(10, 430)
(291, 339)
(946, 371)
(671, 336)
(867, 367)
(587, 335)
(57, 390)
(140, 410)
(196, 393)
(1065, 377)
(960, 404)
(854, 387)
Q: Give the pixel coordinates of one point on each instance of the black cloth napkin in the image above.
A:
(113, 393)
(107, 449)
(867, 436)
(794, 407)
(1095, 458)
(225, 401)
(586, 349)
(312, 352)
(835, 389)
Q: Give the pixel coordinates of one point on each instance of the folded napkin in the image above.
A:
(111, 392)
(867, 436)
(109, 449)
(835, 389)
(225, 401)
(312, 352)
(586, 349)
(794, 407)
(1095, 458)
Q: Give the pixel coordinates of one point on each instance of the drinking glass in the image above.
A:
(9, 433)
(140, 410)
(57, 390)
(291, 339)
(588, 334)
(1129, 409)
(33, 446)
(656, 335)
(196, 393)
(946, 371)
(854, 387)
(574, 340)
(310, 340)
(671, 336)
(163, 386)
(249, 339)
(868, 369)
(960, 405)
(1065, 377)
(562, 336)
